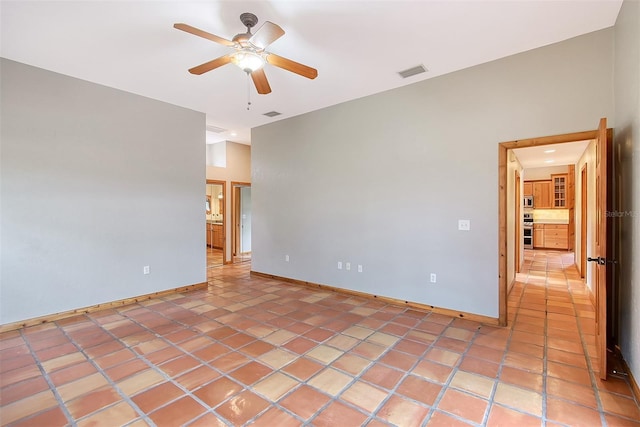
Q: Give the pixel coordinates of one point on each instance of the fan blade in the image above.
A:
(294, 67)
(266, 34)
(260, 80)
(208, 66)
(193, 30)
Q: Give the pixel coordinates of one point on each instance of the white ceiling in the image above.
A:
(357, 46)
(563, 154)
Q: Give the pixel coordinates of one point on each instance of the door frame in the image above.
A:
(518, 224)
(583, 220)
(224, 215)
(503, 149)
(235, 215)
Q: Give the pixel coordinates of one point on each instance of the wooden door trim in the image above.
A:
(583, 220)
(503, 147)
(235, 200)
(603, 157)
(224, 216)
(518, 224)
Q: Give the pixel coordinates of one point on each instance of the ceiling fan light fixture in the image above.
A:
(248, 60)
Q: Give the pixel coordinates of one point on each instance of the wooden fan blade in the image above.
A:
(266, 34)
(208, 66)
(294, 67)
(260, 80)
(195, 31)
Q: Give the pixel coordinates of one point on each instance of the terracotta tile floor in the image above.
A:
(257, 351)
(214, 257)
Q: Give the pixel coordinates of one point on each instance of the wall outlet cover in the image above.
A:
(464, 224)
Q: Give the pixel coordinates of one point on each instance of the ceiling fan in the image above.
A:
(249, 52)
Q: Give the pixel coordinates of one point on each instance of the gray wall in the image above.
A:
(627, 154)
(95, 184)
(382, 181)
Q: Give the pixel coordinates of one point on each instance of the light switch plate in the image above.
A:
(464, 224)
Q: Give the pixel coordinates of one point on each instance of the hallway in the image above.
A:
(250, 350)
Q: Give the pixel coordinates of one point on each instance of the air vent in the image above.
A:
(412, 71)
(272, 114)
(215, 129)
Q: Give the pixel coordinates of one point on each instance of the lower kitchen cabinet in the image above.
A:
(215, 236)
(218, 237)
(538, 235)
(556, 236)
(551, 236)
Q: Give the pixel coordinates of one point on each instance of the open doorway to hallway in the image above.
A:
(558, 206)
(558, 231)
(241, 217)
(215, 227)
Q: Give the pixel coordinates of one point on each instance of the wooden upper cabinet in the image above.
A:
(528, 189)
(542, 194)
(559, 186)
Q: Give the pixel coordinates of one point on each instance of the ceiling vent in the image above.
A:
(412, 71)
(272, 114)
(215, 129)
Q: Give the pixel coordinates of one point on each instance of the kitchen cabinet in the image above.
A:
(551, 236)
(559, 185)
(538, 236)
(215, 236)
(556, 236)
(218, 237)
(209, 233)
(528, 189)
(542, 194)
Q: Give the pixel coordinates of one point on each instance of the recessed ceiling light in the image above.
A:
(548, 161)
(549, 151)
(234, 134)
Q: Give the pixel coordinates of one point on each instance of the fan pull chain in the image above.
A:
(248, 93)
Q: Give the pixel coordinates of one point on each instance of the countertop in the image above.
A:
(214, 222)
(551, 221)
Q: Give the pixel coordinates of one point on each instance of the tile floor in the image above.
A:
(255, 351)
(214, 257)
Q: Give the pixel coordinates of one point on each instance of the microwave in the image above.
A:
(528, 201)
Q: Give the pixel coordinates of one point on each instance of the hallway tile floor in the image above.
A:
(249, 350)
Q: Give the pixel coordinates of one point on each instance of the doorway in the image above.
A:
(602, 137)
(215, 223)
(241, 225)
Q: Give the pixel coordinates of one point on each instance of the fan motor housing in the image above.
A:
(249, 20)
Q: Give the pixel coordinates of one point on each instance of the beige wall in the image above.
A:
(588, 158)
(512, 167)
(238, 170)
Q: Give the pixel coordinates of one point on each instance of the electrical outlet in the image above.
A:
(359, 268)
(145, 269)
(339, 265)
(464, 224)
(286, 258)
(432, 278)
(347, 266)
